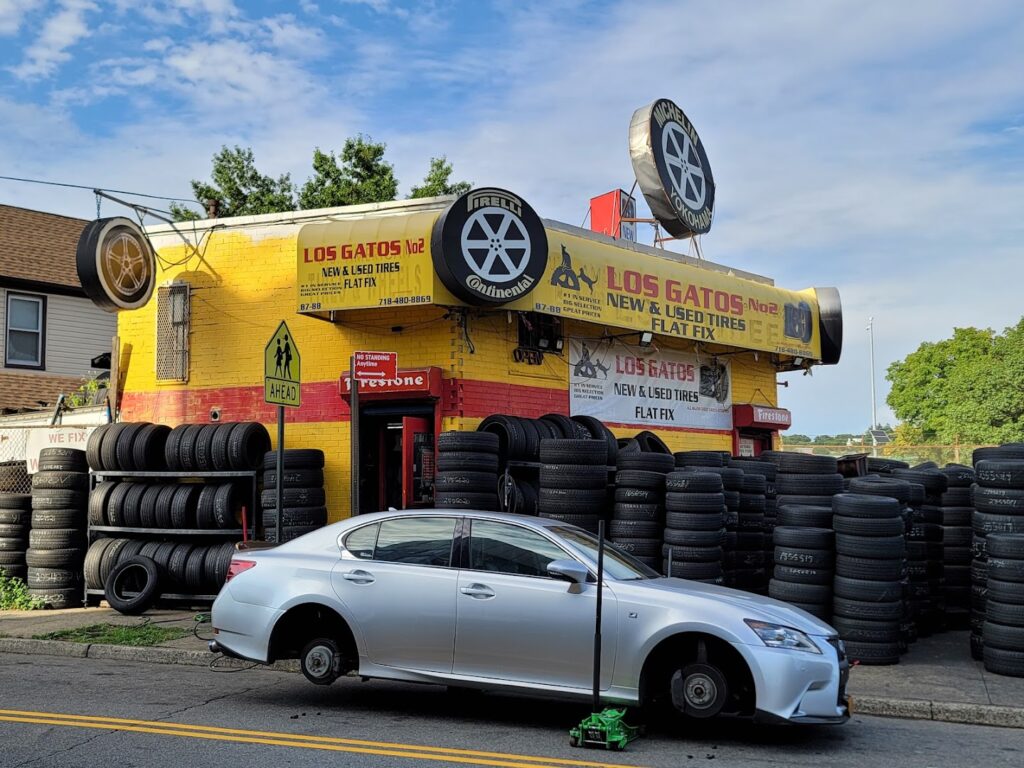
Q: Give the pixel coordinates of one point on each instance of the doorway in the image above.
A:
(396, 455)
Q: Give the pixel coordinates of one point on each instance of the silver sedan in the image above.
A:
(505, 602)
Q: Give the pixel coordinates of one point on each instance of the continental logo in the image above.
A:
(493, 198)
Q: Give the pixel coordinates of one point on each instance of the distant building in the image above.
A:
(51, 331)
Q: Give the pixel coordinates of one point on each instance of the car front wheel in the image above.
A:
(321, 661)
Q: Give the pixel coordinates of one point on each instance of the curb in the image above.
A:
(146, 655)
(908, 709)
(940, 711)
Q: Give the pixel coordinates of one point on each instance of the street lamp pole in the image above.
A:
(874, 416)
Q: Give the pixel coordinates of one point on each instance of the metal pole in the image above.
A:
(280, 470)
(353, 384)
(597, 625)
(874, 416)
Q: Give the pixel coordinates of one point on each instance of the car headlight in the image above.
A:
(778, 636)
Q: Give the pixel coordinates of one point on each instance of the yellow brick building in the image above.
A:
(195, 351)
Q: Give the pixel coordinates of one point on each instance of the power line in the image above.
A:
(93, 189)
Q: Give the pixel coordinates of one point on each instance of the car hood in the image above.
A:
(751, 606)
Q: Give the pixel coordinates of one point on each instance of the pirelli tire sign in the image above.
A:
(672, 168)
(489, 247)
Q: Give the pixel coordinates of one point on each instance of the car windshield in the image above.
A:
(617, 565)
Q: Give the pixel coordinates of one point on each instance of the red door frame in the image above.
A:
(411, 425)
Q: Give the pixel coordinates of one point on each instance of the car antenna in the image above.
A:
(602, 729)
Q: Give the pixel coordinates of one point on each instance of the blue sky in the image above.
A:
(870, 145)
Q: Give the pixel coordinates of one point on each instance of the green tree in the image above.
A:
(359, 175)
(966, 389)
(796, 439)
(238, 189)
(438, 181)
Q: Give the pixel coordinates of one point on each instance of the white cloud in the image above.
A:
(285, 34)
(60, 32)
(12, 12)
(157, 44)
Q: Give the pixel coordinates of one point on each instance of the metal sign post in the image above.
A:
(282, 387)
(353, 384)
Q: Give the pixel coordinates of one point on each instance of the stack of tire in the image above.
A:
(574, 487)
(694, 525)
(166, 567)
(57, 538)
(303, 500)
(467, 471)
(136, 446)
(925, 547)
(638, 510)
(882, 466)
(1003, 629)
(956, 511)
(519, 438)
(804, 562)
(768, 471)
(998, 498)
(15, 513)
(868, 605)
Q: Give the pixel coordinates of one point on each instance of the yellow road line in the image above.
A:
(412, 751)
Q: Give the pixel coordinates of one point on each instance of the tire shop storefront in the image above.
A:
(490, 310)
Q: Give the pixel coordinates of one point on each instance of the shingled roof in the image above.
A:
(39, 246)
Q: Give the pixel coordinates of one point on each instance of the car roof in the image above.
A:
(536, 522)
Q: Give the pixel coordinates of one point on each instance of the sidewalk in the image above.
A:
(936, 680)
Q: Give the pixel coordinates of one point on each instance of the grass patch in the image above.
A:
(14, 595)
(116, 634)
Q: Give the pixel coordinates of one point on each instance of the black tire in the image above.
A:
(58, 518)
(53, 578)
(1008, 638)
(871, 611)
(804, 558)
(249, 443)
(56, 538)
(316, 497)
(147, 506)
(630, 495)
(808, 485)
(695, 502)
(754, 484)
(227, 503)
(573, 476)
(461, 461)
(797, 575)
(1006, 501)
(765, 469)
(295, 458)
(862, 630)
(934, 482)
(131, 505)
(300, 478)
(59, 598)
(868, 526)
(637, 547)
(805, 501)
(133, 586)
(692, 571)
(699, 459)
(803, 538)
(458, 481)
(634, 529)
(639, 512)
(54, 558)
(732, 479)
(865, 568)
(873, 548)
(92, 447)
(790, 591)
(125, 447)
(14, 543)
(693, 554)
(63, 460)
(804, 516)
(484, 442)
(13, 557)
(533, 438)
(206, 508)
(599, 431)
(52, 479)
(172, 447)
(1004, 662)
(645, 462)
(148, 448)
(871, 654)
(1003, 591)
(651, 443)
(512, 443)
(800, 463)
(639, 478)
(15, 517)
(956, 497)
(108, 446)
(693, 482)
(573, 500)
(183, 506)
(15, 501)
(164, 501)
(681, 538)
(586, 522)
(988, 523)
(219, 447)
(957, 516)
(1012, 451)
(866, 590)
(1010, 547)
(93, 558)
(695, 521)
(587, 452)
(1007, 614)
(881, 486)
(59, 498)
(866, 506)
(460, 500)
(309, 517)
(194, 580)
(176, 564)
(204, 447)
(187, 447)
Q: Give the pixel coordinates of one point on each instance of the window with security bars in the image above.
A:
(172, 328)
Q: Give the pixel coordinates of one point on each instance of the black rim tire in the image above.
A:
(133, 586)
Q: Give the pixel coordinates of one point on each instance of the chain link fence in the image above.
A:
(912, 454)
(14, 477)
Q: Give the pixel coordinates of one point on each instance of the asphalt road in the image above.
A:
(58, 712)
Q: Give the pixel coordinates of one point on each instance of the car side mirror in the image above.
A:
(569, 570)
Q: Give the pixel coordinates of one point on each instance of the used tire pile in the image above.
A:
(638, 513)
(925, 547)
(178, 567)
(1003, 629)
(868, 604)
(467, 471)
(574, 484)
(303, 500)
(170, 506)
(768, 471)
(57, 538)
(956, 511)
(804, 562)
(519, 438)
(998, 500)
(15, 512)
(694, 525)
(138, 446)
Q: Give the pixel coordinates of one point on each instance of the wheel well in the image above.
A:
(675, 651)
(305, 622)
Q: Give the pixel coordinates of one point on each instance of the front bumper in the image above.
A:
(800, 687)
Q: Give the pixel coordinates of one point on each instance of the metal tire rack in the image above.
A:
(255, 520)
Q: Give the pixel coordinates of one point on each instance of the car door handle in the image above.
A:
(359, 577)
(478, 591)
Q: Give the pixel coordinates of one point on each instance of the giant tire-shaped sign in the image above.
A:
(116, 266)
(489, 247)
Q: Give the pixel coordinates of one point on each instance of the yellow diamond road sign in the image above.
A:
(281, 367)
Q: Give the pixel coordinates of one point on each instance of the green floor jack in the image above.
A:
(603, 729)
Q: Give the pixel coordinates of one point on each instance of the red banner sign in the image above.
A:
(375, 366)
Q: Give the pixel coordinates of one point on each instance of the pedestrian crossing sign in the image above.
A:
(281, 369)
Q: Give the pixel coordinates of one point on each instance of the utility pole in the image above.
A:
(874, 414)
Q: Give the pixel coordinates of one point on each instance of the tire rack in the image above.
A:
(255, 520)
(515, 468)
